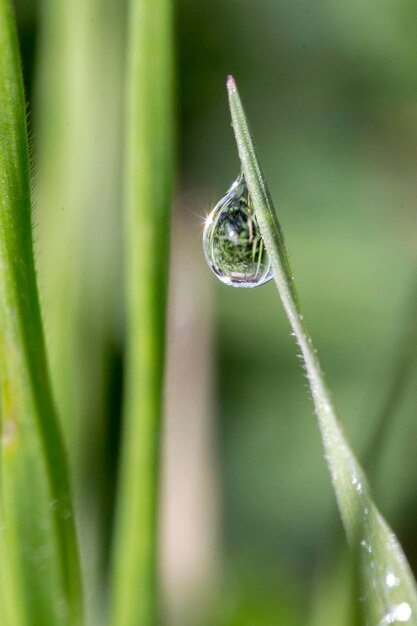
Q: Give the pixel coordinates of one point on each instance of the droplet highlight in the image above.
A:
(400, 613)
(232, 243)
(392, 580)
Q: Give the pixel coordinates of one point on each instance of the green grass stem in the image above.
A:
(148, 165)
(389, 590)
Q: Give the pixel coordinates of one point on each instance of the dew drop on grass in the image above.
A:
(232, 243)
(399, 613)
(392, 580)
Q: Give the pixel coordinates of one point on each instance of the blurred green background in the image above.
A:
(331, 93)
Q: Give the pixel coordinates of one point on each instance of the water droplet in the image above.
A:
(366, 545)
(232, 243)
(400, 613)
(392, 580)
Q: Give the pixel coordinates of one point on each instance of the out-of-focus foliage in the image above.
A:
(331, 91)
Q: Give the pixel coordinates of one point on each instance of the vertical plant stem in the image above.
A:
(367, 532)
(149, 150)
(78, 124)
(39, 555)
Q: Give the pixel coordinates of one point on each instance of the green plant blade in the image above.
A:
(388, 589)
(39, 571)
(77, 147)
(334, 571)
(149, 149)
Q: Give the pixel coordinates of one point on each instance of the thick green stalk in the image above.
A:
(388, 585)
(39, 571)
(149, 122)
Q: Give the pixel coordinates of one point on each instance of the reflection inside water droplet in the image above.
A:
(232, 243)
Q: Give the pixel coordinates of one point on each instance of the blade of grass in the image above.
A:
(334, 560)
(149, 150)
(39, 555)
(78, 124)
(388, 585)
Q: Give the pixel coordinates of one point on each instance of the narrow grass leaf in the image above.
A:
(77, 144)
(148, 164)
(388, 589)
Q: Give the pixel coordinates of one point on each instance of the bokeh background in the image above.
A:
(250, 532)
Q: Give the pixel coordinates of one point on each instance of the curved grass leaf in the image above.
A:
(148, 164)
(39, 572)
(388, 587)
(336, 576)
